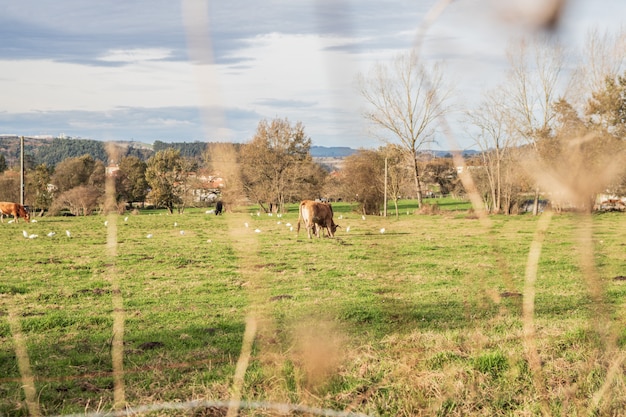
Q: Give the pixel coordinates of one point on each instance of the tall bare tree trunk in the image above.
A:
(498, 201)
(418, 183)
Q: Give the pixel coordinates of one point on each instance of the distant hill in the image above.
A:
(331, 152)
(447, 154)
(51, 150)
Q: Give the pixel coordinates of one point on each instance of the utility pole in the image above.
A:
(22, 170)
(385, 209)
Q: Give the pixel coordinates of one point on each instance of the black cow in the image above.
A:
(219, 207)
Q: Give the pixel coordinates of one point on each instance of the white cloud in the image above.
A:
(46, 85)
(135, 55)
(167, 122)
(314, 80)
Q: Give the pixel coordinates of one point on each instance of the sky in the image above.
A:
(196, 70)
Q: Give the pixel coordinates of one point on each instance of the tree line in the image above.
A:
(54, 150)
(275, 168)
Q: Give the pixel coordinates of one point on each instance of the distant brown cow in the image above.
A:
(14, 209)
(317, 216)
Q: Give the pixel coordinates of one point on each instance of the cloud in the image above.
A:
(119, 123)
(280, 104)
(135, 55)
(79, 32)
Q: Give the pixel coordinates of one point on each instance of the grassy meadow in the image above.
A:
(442, 314)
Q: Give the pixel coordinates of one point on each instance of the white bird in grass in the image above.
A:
(67, 232)
(11, 221)
(149, 235)
(33, 221)
(25, 233)
(182, 232)
(33, 236)
(51, 234)
(257, 230)
(126, 218)
(382, 230)
(363, 217)
(175, 224)
(288, 225)
(246, 224)
(347, 229)
(106, 223)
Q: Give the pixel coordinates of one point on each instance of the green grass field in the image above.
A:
(440, 315)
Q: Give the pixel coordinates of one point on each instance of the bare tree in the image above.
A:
(532, 88)
(332, 188)
(604, 55)
(81, 200)
(406, 101)
(397, 170)
(494, 138)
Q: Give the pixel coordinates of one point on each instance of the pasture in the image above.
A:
(440, 315)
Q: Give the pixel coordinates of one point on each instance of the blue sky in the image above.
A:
(190, 70)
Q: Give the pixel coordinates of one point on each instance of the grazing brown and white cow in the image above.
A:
(316, 216)
(14, 209)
